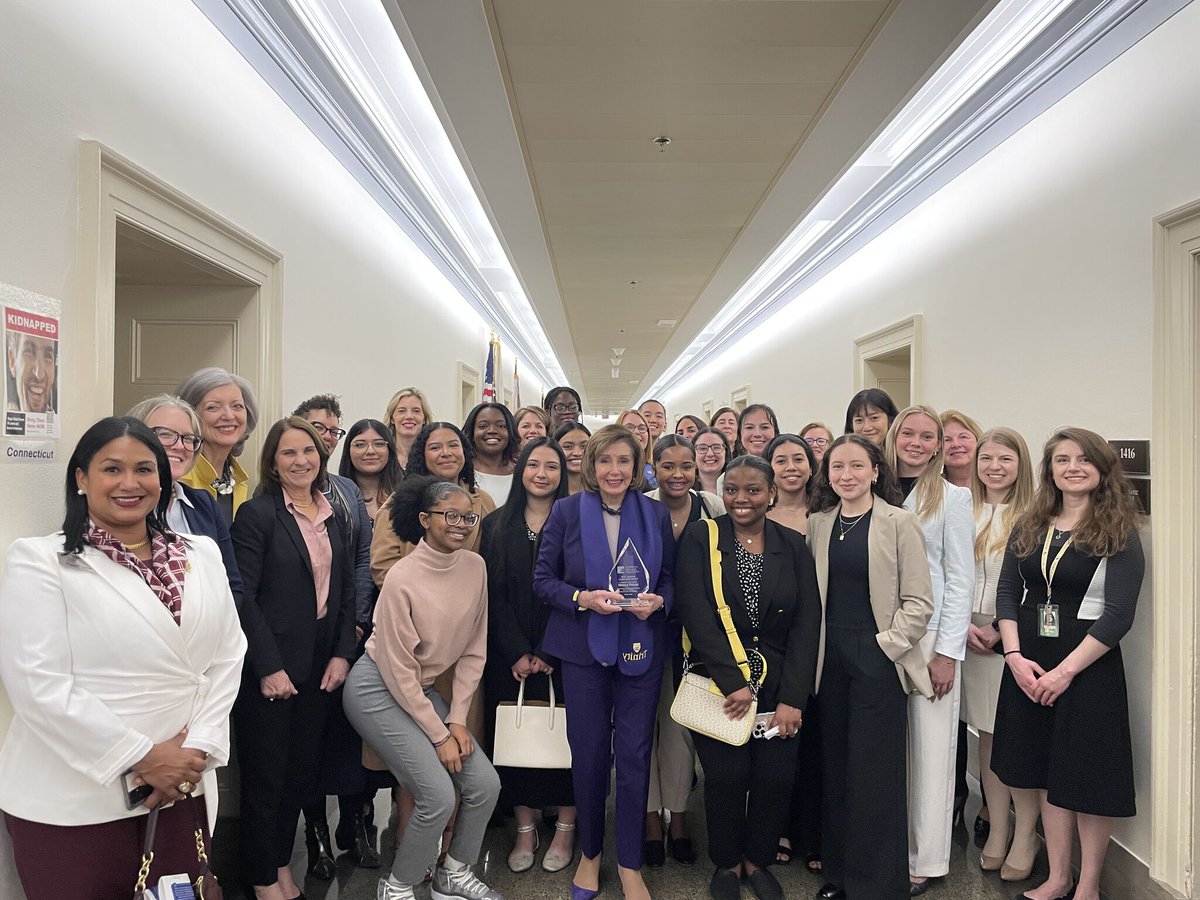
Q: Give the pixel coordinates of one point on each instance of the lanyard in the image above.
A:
(1049, 574)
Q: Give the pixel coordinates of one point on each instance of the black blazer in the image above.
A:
(203, 517)
(279, 606)
(516, 618)
(789, 611)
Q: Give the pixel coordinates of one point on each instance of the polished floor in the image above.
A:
(672, 882)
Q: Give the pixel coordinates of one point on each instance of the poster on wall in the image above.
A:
(32, 335)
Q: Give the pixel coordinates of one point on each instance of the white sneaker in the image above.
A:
(389, 891)
(459, 884)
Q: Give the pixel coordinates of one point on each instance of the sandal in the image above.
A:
(783, 855)
(812, 862)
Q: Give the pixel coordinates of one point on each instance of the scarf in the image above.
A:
(619, 639)
(164, 572)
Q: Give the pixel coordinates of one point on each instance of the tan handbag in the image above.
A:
(699, 703)
(531, 735)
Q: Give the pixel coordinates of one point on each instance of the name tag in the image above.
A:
(1048, 620)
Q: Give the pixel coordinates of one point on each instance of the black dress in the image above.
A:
(1078, 750)
(516, 624)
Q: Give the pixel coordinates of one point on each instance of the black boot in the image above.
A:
(320, 851)
(366, 856)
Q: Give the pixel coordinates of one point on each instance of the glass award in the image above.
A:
(628, 576)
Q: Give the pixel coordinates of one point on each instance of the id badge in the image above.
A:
(1048, 620)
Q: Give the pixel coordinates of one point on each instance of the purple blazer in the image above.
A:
(560, 571)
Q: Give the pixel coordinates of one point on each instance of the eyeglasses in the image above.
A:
(454, 518)
(338, 433)
(706, 449)
(169, 437)
(561, 408)
(817, 442)
(378, 446)
(636, 429)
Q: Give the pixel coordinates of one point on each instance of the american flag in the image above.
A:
(489, 374)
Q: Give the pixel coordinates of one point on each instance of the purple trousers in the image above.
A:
(610, 714)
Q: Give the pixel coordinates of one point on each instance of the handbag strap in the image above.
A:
(723, 611)
(147, 853)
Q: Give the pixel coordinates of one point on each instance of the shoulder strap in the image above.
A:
(735, 642)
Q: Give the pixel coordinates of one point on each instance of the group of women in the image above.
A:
(856, 595)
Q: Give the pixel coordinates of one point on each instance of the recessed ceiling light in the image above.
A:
(616, 373)
(615, 361)
(618, 351)
(666, 323)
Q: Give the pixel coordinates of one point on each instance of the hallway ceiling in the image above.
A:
(554, 106)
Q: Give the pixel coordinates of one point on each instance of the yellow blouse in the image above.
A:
(203, 475)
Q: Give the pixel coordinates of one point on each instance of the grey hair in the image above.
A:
(144, 410)
(193, 389)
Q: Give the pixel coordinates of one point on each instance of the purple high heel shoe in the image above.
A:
(578, 893)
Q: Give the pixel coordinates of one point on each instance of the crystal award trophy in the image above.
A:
(628, 576)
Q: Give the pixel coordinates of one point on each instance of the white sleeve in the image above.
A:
(958, 566)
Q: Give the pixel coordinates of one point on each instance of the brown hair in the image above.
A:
(600, 442)
(634, 412)
(1019, 496)
(811, 425)
(1111, 515)
(537, 412)
(268, 477)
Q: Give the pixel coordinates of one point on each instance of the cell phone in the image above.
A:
(761, 723)
(135, 795)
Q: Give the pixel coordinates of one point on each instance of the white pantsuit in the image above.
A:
(933, 726)
(932, 745)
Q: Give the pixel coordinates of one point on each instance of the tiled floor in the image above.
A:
(672, 882)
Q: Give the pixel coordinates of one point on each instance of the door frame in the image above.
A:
(906, 333)
(1175, 523)
(113, 188)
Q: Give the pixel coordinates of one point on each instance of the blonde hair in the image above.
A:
(537, 412)
(600, 442)
(953, 415)
(634, 412)
(930, 489)
(1018, 498)
(395, 401)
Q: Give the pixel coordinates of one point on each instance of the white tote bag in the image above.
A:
(531, 735)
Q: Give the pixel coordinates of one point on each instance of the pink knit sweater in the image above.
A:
(431, 614)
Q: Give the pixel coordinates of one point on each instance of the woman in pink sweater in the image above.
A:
(431, 614)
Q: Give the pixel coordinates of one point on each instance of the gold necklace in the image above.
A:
(139, 545)
(842, 524)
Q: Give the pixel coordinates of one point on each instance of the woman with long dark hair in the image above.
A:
(93, 719)
(572, 437)
(725, 420)
(875, 587)
(431, 617)
(1067, 595)
(371, 462)
(443, 451)
(516, 625)
(712, 455)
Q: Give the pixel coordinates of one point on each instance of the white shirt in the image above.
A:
(176, 519)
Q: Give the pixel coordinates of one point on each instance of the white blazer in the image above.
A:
(97, 672)
(950, 546)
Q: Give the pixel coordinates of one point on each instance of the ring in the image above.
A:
(186, 787)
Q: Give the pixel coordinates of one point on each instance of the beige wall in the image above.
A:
(1033, 271)
(363, 311)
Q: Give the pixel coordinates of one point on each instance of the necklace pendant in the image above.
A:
(842, 536)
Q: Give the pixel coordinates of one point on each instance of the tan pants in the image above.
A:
(673, 759)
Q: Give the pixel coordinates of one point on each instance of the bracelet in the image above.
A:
(1007, 652)
(575, 600)
(442, 741)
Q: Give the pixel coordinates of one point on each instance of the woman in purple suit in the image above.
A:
(611, 653)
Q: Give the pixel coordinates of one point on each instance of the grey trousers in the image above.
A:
(410, 756)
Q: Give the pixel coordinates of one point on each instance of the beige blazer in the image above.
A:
(901, 590)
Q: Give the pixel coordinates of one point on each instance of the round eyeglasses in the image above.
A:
(455, 518)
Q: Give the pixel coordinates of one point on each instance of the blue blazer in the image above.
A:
(204, 518)
(560, 571)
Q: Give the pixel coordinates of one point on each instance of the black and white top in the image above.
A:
(750, 574)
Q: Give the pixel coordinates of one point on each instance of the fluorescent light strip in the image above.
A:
(1004, 32)
(353, 33)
